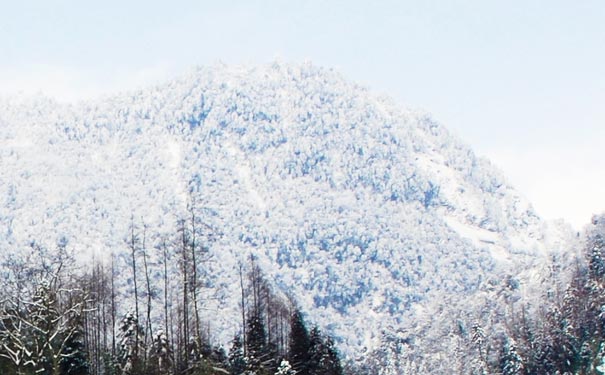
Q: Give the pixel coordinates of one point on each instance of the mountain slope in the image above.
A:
(374, 218)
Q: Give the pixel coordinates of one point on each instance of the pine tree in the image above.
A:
(300, 344)
(511, 362)
(237, 362)
(130, 345)
(330, 362)
(315, 349)
(478, 338)
(74, 359)
(323, 355)
(596, 262)
(218, 356)
(161, 357)
(110, 365)
(258, 357)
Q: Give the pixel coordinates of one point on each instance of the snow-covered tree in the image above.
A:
(285, 369)
(258, 359)
(511, 362)
(130, 345)
(41, 334)
(323, 355)
(478, 364)
(596, 262)
(236, 359)
(74, 359)
(300, 344)
(161, 357)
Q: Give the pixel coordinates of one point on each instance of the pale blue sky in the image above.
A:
(523, 82)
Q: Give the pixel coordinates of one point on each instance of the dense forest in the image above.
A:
(568, 335)
(562, 333)
(60, 316)
(312, 193)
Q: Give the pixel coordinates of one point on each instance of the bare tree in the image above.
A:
(38, 329)
(148, 331)
(133, 249)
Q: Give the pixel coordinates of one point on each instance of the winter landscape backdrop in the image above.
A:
(297, 217)
(196, 226)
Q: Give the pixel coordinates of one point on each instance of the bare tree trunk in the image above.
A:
(104, 308)
(185, 332)
(172, 340)
(194, 281)
(148, 331)
(168, 313)
(241, 283)
(134, 279)
(165, 254)
(113, 307)
(98, 313)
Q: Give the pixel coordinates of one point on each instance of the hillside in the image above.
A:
(374, 218)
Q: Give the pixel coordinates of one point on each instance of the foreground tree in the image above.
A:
(75, 359)
(40, 334)
(300, 344)
(130, 345)
(236, 359)
(258, 360)
(323, 355)
(161, 356)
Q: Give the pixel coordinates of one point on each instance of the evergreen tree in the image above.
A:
(315, 349)
(478, 339)
(161, 357)
(300, 344)
(285, 369)
(74, 359)
(110, 365)
(237, 362)
(259, 360)
(130, 345)
(511, 363)
(323, 355)
(596, 262)
(330, 362)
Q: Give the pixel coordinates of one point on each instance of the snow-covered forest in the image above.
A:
(182, 228)
(59, 317)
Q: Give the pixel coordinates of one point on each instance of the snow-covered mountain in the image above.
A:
(375, 218)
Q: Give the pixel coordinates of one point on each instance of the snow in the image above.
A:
(374, 217)
(480, 238)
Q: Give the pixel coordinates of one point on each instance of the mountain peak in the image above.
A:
(372, 216)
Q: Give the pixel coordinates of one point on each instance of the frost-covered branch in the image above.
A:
(35, 332)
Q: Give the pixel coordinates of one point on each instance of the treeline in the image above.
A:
(507, 333)
(142, 313)
(567, 335)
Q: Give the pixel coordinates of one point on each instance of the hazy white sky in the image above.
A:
(521, 81)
